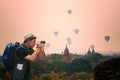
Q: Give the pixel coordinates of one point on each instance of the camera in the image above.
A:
(42, 42)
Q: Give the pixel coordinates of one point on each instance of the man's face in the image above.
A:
(31, 43)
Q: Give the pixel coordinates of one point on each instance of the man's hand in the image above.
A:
(41, 46)
(38, 45)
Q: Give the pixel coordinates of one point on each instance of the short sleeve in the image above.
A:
(21, 52)
(31, 51)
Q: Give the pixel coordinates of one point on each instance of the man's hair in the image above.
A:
(29, 37)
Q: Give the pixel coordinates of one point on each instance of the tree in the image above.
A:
(38, 67)
(81, 76)
(79, 65)
(60, 66)
(95, 58)
(56, 57)
(107, 70)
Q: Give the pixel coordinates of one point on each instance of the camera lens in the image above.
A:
(42, 42)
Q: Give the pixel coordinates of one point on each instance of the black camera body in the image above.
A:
(42, 42)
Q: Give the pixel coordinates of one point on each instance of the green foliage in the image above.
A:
(95, 58)
(84, 63)
(38, 67)
(42, 66)
(56, 57)
(63, 74)
(43, 77)
(107, 70)
(78, 69)
(79, 65)
(59, 69)
(57, 76)
(76, 56)
(59, 66)
(81, 76)
(46, 77)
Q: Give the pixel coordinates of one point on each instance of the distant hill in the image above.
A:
(110, 52)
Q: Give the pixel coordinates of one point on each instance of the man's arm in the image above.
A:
(33, 56)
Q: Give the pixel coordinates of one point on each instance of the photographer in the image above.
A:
(24, 56)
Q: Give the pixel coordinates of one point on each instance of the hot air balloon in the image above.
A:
(92, 46)
(69, 11)
(107, 38)
(76, 31)
(56, 33)
(47, 45)
(69, 41)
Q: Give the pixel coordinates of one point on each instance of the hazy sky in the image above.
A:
(94, 19)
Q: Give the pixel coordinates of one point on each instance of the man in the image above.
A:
(24, 56)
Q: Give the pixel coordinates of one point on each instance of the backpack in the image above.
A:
(9, 55)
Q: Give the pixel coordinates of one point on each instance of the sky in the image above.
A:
(93, 18)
